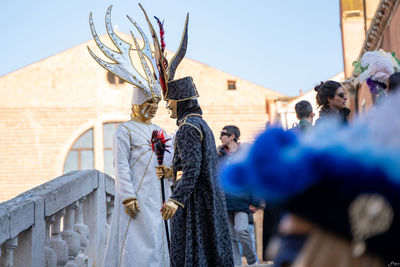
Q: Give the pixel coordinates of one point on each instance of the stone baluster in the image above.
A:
(110, 208)
(70, 236)
(7, 260)
(83, 230)
(56, 242)
(50, 254)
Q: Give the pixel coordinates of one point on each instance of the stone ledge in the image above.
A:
(109, 184)
(18, 214)
(69, 188)
(4, 224)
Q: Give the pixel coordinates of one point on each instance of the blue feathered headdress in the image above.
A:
(333, 175)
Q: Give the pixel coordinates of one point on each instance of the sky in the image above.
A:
(284, 45)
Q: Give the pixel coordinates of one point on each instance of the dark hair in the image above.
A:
(303, 109)
(326, 90)
(394, 82)
(232, 129)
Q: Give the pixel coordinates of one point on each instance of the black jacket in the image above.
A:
(240, 201)
(199, 230)
(326, 112)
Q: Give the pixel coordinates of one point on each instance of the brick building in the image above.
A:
(58, 114)
(367, 25)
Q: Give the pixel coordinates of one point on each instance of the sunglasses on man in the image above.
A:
(225, 133)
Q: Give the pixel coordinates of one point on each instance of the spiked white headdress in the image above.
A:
(145, 87)
(159, 76)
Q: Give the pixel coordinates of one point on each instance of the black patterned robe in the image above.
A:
(199, 230)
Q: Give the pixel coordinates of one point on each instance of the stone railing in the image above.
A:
(63, 222)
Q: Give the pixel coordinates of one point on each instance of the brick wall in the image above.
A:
(47, 105)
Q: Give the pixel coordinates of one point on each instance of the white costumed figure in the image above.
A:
(375, 67)
(137, 234)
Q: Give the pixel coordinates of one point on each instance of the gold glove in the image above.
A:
(168, 210)
(131, 206)
(163, 171)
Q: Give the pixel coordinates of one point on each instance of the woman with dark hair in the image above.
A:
(332, 100)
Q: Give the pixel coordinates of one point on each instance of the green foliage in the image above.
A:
(358, 69)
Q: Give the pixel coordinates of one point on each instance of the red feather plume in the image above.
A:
(161, 26)
(163, 63)
(158, 145)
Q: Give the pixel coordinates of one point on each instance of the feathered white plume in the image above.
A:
(377, 65)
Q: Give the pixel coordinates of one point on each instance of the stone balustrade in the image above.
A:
(63, 222)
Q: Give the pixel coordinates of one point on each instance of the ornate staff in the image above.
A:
(158, 144)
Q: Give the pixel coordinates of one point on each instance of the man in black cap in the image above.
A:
(199, 225)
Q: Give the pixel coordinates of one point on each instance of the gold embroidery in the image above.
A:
(144, 174)
(187, 123)
(123, 243)
(144, 132)
(177, 203)
(197, 128)
(130, 135)
(129, 132)
(137, 146)
(139, 157)
(191, 114)
(178, 175)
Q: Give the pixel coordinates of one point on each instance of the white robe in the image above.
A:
(140, 241)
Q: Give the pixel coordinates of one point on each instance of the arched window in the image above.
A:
(111, 78)
(80, 156)
(108, 133)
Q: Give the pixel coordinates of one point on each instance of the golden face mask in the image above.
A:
(172, 107)
(146, 111)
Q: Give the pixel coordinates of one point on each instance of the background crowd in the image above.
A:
(330, 190)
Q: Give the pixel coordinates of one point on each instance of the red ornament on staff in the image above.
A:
(158, 145)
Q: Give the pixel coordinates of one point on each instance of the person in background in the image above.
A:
(305, 114)
(332, 100)
(286, 244)
(252, 231)
(394, 82)
(238, 205)
(344, 190)
(229, 140)
(374, 68)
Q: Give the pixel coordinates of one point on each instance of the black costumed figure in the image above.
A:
(199, 225)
